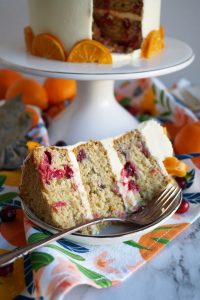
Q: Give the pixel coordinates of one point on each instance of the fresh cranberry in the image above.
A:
(60, 144)
(129, 170)
(6, 270)
(132, 186)
(81, 155)
(48, 157)
(8, 214)
(58, 174)
(132, 109)
(68, 172)
(183, 207)
(181, 182)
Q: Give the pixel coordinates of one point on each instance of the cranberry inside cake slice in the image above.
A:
(118, 24)
(140, 171)
(99, 180)
(49, 187)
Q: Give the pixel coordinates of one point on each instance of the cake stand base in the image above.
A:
(94, 114)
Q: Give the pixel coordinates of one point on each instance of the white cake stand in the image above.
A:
(95, 114)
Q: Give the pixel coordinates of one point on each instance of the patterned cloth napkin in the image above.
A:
(53, 270)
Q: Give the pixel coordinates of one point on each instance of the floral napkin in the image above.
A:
(52, 271)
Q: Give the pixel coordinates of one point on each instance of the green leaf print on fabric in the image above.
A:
(38, 236)
(161, 240)
(8, 196)
(40, 259)
(136, 245)
(66, 252)
(2, 179)
(99, 279)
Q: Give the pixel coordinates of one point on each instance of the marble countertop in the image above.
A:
(174, 274)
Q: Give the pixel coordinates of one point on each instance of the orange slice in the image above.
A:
(31, 145)
(175, 167)
(48, 46)
(153, 43)
(29, 37)
(90, 51)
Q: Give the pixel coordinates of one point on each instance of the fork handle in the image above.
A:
(21, 252)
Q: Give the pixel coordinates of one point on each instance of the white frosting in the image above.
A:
(71, 21)
(156, 140)
(151, 16)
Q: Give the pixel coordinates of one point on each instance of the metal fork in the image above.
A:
(148, 215)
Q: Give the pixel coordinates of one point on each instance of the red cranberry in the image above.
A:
(8, 214)
(68, 172)
(60, 144)
(58, 174)
(132, 186)
(183, 207)
(181, 182)
(48, 157)
(6, 270)
(129, 170)
(81, 155)
(132, 109)
(126, 23)
(58, 204)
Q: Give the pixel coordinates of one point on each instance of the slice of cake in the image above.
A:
(120, 25)
(69, 185)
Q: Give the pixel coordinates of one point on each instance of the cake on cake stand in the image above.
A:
(95, 114)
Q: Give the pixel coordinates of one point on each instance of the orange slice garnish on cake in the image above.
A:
(153, 43)
(48, 46)
(175, 167)
(32, 145)
(89, 51)
(29, 37)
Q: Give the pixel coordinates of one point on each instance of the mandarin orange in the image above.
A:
(7, 77)
(90, 51)
(187, 140)
(32, 92)
(59, 90)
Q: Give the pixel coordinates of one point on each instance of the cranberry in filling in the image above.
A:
(132, 186)
(129, 170)
(81, 155)
(58, 205)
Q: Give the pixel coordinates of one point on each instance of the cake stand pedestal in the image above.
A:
(95, 114)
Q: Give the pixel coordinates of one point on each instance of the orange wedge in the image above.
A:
(175, 167)
(153, 43)
(29, 37)
(31, 145)
(48, 46)
(90, 51)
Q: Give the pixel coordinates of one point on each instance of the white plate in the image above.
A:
(112, 233)
(176, 56)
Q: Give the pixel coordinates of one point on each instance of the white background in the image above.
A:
(181, 19)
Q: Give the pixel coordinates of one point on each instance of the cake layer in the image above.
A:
(50, 190)
(99, 180)
(131, 6)
(140, 172)
(120, 32)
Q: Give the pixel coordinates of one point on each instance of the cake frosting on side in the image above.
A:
(69, 185)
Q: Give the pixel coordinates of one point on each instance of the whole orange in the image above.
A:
(187, 140)
(59, 90)
(7, 77)
(32, 92)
